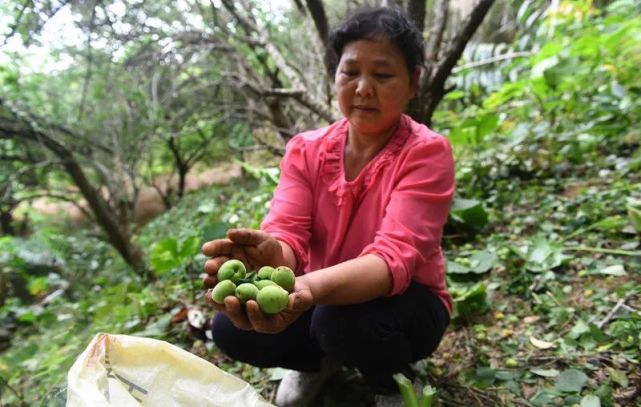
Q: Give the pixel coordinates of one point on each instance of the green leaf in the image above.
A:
(456, 268)
(578, 329)
(611, 223)
(189, 248)
(635, 217)
(483, 261)
(542, 255)
(470, 300)
(480, 262)
(542, 398)
(483, 377)
(590, 401)
(407, 390)
(455, 95)
(618, 377)
(164, 256)
(614, 270)
(570, 381)
(486, 124)
(427, 396)
(469, 212)
(213, 231)
(545, 372)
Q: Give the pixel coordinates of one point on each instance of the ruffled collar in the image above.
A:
(332, 161)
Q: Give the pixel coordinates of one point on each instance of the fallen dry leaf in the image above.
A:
(541, 344)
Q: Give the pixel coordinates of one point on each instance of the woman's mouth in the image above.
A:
(365, 108)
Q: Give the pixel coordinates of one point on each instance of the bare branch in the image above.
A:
(416, 11)
(60, 197)
(438, 24)
(292, 76)
(493, 60)
(612, 313)
(317, 11)
(458, 44)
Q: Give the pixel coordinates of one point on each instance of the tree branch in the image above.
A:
(60, 197)
(458, 44)
(492, 60)
(416, 11)
(291, 75)
(438, 24)
(317, 10)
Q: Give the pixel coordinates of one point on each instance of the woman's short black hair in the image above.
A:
(375, 24)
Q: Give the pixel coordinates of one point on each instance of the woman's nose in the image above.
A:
(364, 87)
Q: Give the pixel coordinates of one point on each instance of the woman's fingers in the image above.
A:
(245, 236)
(262, 322)
(300, 301)
(212, 265)
(210, 281)
(235, 312)
(218, 247)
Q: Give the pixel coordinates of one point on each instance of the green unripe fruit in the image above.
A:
(265, 273)
(223, 289)
(272, 299)
(263, 283)
(233, 270)
(284, 277)
(511, 363)
(246, 292)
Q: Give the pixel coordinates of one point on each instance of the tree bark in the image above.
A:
(317, 10)
(432, 87)
(416, 11)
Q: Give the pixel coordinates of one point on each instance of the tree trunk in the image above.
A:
(432, 86)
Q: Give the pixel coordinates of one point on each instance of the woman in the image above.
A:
(358, 214)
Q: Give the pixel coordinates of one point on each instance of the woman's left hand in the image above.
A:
(300, 300)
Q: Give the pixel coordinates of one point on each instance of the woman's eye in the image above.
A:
(348, 73)
(383, 75)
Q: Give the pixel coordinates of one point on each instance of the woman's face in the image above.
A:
(373, 86)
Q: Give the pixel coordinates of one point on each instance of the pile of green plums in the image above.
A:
(269, 286)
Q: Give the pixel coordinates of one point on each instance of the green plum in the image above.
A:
(222, 290)
(265, 273)
(246, 292)
(233, 270)
(284, 277)
(272, 299)
(263, 283)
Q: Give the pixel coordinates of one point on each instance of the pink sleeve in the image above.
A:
(289, 216)
(412, 226)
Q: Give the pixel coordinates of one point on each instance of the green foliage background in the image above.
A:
(543, 241)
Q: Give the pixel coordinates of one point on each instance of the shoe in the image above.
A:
(298, 389)
(388, 400)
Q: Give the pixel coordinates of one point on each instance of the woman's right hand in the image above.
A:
(251, 318)
(233, 310)
(254, 248)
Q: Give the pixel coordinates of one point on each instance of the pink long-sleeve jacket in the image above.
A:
(395, 208)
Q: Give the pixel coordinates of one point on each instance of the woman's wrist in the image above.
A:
(288, 258)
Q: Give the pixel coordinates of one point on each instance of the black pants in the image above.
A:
(379, 338)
